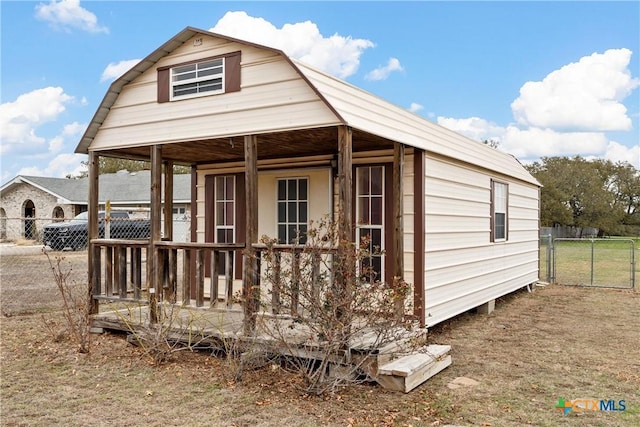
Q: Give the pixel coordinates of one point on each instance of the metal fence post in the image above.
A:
(592, 265)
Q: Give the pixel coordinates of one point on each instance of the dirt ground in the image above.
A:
(556, 342)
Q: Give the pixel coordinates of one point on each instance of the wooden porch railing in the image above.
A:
(295, 253)
(122, 270)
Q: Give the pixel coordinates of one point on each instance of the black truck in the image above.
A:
(74, 233)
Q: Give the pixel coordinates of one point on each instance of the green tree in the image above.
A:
(585, 193)
(113, 165)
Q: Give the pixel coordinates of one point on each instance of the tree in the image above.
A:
(584, 193)
(113, 165)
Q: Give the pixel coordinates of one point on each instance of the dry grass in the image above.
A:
(536, 347)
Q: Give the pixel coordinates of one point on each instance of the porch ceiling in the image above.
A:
(306, 142)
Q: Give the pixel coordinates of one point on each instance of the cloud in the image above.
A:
(584, 95)
(67, 15)
(382, 73)
(20, 119)
(567, 113)
(621, 153)
(59, 167)
(415, 107)
(531, 143)
(70, 131)
(338, 55)
(116, 69)
(472, 127)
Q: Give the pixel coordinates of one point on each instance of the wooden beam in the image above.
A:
(419, 246)
(250, 294)
(345, 181)
(94, 255)
(398, 224)
(168, 200)
(155, 286)
(342, 266)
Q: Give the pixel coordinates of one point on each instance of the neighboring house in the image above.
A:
(274, 143)
(27, 203)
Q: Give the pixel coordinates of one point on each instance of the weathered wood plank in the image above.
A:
(108, 270)
(186, 277)
(250, 294)
(213, 285)
(199, 278)
(93, 251)
(398, 225)
(168, 200)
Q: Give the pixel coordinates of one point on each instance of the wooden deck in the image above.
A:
(222, 330)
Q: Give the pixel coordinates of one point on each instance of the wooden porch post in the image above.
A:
(344, 271)
(168, 200)
(250, 292)
(419, 235)
(93, 253)
(398, 225)
(156, 209)
(345, 186)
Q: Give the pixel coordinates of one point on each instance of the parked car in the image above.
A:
(74, 233)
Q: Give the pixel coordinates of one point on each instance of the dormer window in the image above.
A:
(207, 76)
(201, 78)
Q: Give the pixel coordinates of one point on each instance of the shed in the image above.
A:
(274, 143)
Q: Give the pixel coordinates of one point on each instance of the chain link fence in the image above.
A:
(609, 263)
(60, 234)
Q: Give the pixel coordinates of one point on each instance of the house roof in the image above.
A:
(121, 188)
(351, 105)
(69, 191)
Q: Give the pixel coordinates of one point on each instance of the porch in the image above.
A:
(189, 308)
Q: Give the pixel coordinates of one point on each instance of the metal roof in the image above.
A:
(351, 105)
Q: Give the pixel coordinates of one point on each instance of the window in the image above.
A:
(207, 76)
(225, 213)
(370, 219)
(201, 78)
(293, 210)
(499, 217)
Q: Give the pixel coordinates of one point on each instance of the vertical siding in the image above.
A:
(463, 269)
(273, 97)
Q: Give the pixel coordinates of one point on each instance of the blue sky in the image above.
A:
(541, 78)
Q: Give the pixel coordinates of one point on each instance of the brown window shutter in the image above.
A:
(231, 72)
(163, 85)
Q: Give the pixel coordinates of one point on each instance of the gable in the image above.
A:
(268, 95)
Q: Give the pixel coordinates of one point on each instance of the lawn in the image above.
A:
(555, 342)
(611, 260)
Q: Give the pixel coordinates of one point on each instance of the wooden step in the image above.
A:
(408, 372)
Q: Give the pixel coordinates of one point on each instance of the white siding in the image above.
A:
(463, 269)
(273, 97)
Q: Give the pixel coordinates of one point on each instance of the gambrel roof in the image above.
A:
(348, 105)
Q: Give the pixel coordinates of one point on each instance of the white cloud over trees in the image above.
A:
(584, 95)
(567, 113)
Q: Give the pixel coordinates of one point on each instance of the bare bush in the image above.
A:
(75, 305)
(339, 311)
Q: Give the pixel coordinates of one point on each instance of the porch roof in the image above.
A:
(376, 123)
